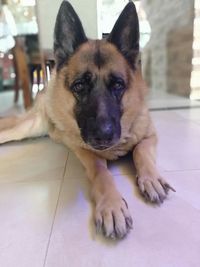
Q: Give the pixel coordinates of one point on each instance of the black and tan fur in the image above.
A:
(95, 105)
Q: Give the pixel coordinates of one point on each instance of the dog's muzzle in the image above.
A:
(101, 134)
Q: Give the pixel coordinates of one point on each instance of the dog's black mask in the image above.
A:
(98, 110)
(98, 100)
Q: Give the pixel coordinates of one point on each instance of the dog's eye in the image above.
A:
(78, 87)
(116, 83)
(117, 87)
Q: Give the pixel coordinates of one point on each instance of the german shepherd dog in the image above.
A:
(95, 105)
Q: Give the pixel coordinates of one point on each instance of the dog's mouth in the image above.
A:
(101, 145)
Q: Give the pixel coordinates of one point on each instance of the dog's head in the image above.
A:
(97, 72)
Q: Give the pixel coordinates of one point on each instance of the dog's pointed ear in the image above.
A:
(68, 33)
(125, 34)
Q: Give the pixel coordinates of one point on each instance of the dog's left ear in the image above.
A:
(68, 34)
(125, 34)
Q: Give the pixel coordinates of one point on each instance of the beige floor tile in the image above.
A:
(187, 185)
(31, 159)
(178, 146)
(163, 115)
(164, 236)
(190, 114)
(26, 215)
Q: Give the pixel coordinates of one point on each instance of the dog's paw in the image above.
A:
(112, 217)
(154, 189)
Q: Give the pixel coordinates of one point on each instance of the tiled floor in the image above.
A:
(45, 212)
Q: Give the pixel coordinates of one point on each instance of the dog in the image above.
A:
(95, 105)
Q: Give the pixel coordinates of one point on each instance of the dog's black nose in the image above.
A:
(104, 132)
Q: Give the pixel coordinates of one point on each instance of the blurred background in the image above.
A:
(169, 44)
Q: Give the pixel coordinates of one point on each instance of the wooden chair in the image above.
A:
(22, 78)
(25, 69)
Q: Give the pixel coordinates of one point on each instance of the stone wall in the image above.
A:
(168, 55)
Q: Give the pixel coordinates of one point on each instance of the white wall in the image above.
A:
(109, 11)
(47, 11)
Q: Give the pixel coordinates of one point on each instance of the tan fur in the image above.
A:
(53, 113)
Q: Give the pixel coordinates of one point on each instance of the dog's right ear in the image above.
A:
(68, 34)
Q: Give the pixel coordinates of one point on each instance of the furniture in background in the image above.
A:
(22, 76)
(32, 67)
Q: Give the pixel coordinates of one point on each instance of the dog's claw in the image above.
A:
(161, 198)
(125, 203)
(112, 236)
(129, 222)
(169, 187)
(98, 225)
(145, 195)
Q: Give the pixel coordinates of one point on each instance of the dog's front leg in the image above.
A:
(111, 212)
(152, 186)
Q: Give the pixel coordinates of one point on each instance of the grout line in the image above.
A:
(174, 108)
(186, 170)
(52, 225)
